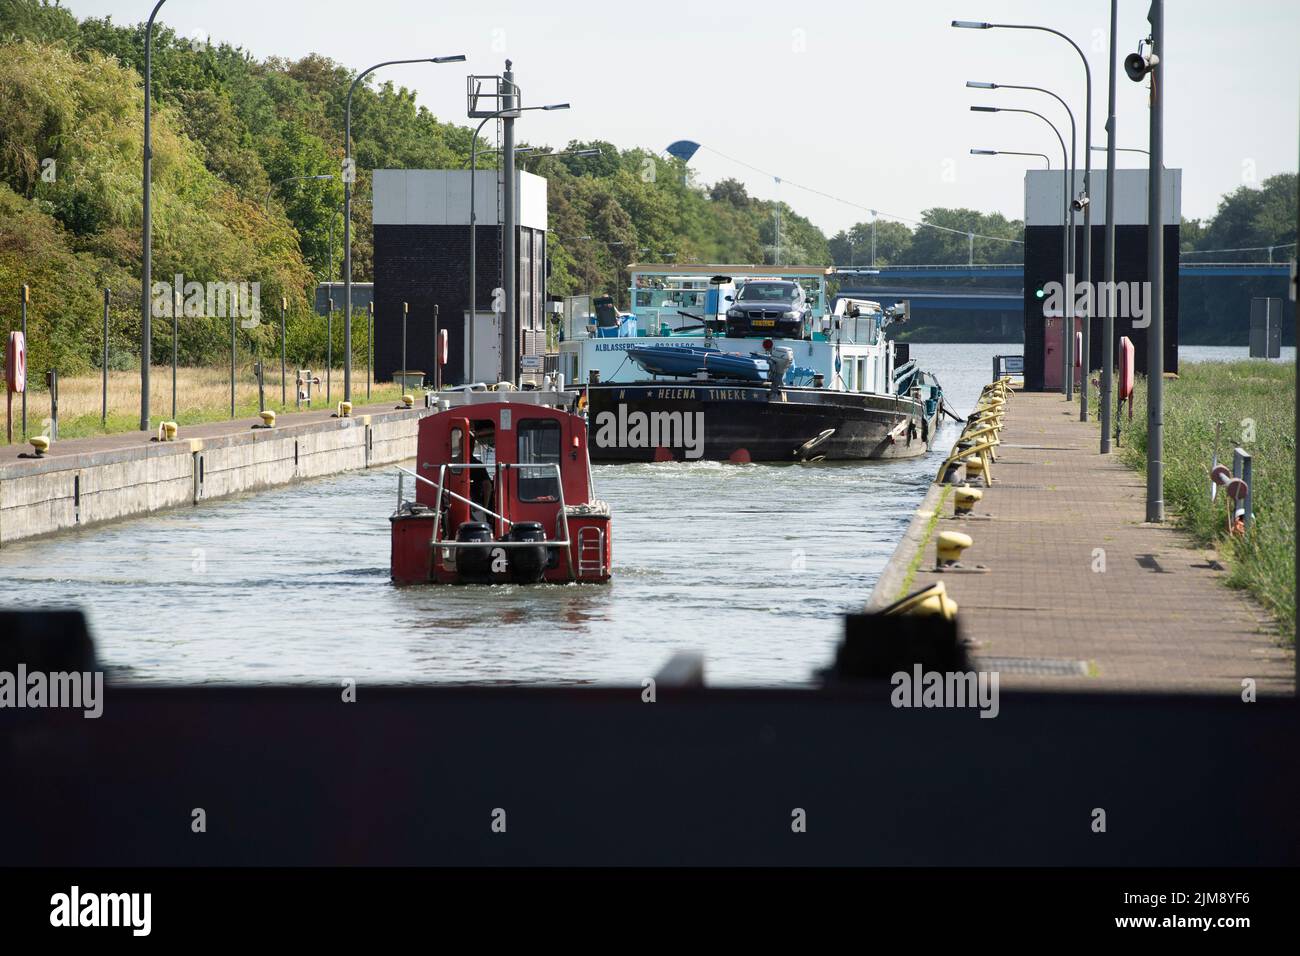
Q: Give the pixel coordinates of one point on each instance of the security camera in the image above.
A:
(1079, 203)
(1137, 66)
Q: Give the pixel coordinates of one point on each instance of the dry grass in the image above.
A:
(202, 395)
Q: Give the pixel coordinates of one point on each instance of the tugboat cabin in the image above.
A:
(502, 493)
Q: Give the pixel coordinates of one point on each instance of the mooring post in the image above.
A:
(52, 382)
(1242, 468)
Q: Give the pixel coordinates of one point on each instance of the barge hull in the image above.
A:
(685, 422)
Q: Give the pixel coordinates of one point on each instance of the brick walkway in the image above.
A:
(1158, 618)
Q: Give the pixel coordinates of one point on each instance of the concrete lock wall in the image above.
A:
(42, 496)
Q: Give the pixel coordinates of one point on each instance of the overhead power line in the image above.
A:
(856, 205)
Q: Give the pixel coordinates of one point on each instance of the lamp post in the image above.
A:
(1065, 225)
(1069, 289)
(1108, 264)
(348, 176)
(284, 393)
(1011, 152)
(146, 275)
(473, 219)
(1156, 270)
(1082, 202)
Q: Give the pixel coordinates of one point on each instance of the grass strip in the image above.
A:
(915, 564)
(1251, 404)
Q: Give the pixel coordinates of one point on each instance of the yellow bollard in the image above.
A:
(345, 409)
(949, 548)
(927, 602)
(268, 418)
(964, 501)
(987, 434)
(40, 444)
(981, 451)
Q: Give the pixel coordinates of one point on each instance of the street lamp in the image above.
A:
(1108, 256)
(473, 218)
(1065, 222)
(1074, 203)
(1082, 202)
(348, 176)
(976, 85)
(531, 150)
(146, 303)
(1010, 152)
(1122, 149)
(572, 152)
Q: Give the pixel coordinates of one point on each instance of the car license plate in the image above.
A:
(763, 323)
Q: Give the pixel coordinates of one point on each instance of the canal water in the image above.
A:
(750, 565)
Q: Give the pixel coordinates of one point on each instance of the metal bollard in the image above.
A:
(52, 382)
(1241, 468)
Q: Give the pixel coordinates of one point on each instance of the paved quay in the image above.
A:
(1155, 616)
(10, 454)
(87, 481)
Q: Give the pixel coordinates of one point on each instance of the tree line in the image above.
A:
(238, 140)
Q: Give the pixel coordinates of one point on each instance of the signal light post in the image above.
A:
(1155, 264)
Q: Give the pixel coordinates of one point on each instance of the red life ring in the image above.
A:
(16, 363)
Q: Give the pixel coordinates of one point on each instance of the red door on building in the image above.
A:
(1053, 342)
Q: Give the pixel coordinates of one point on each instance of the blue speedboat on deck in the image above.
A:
(688, 361)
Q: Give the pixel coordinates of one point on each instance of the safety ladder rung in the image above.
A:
(591, 551)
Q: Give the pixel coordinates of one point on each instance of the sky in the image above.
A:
(864, 100)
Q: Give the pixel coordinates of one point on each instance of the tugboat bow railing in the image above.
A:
(502, 521)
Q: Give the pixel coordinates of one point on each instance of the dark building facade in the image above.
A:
(421, 250)
(1044, 237)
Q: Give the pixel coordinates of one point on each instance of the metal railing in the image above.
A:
(917, 267)
(562, 518)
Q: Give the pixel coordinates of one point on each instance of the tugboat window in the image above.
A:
(539, 443)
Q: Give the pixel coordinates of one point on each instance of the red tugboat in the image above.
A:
(503, 494)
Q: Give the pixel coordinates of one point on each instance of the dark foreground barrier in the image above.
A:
(433, 775)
